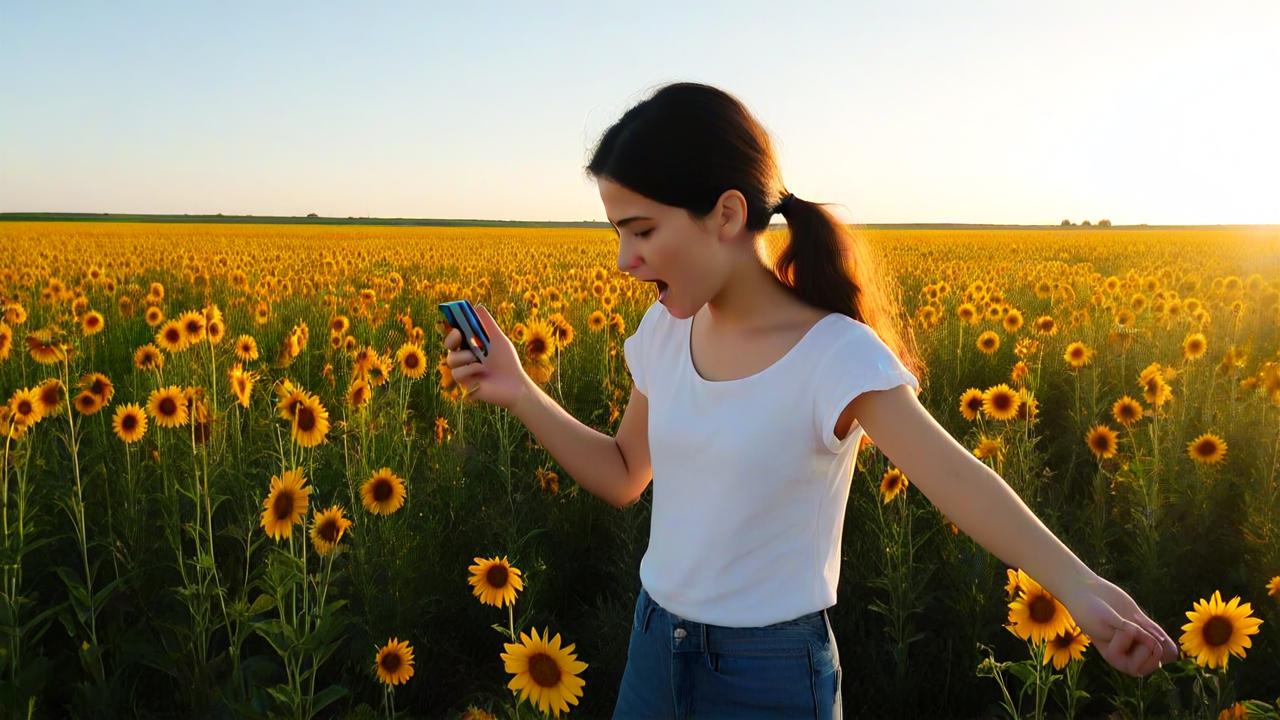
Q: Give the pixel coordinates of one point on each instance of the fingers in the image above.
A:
(1168, 649)
(1131, 650)
(453, 340)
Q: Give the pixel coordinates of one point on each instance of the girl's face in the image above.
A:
(663, 244)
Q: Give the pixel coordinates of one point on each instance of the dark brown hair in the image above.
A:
(688, 143)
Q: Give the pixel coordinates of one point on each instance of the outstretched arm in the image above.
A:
(983, 505)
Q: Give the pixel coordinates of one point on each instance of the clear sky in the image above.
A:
(1006, 112)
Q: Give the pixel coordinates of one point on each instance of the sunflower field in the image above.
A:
(239, 480)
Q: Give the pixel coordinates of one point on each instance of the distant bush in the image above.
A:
(1104, 223)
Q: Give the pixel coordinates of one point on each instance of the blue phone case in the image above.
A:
(460, 314)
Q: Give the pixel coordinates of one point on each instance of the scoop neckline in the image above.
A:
(688, 353)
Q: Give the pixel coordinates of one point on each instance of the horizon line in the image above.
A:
(316, 219)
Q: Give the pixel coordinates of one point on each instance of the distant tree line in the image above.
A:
(1085, 223)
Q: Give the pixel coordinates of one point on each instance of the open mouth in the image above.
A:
(662, 289)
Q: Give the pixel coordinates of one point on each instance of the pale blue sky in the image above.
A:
(1007, 112)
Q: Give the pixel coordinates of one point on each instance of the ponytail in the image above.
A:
(827, 265)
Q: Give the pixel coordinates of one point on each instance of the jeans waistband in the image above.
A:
(783, 636)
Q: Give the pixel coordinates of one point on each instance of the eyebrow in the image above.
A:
(625, 221)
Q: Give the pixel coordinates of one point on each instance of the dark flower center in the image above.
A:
(382, 489)
(306, 419)
(497, 576)
(328, 531)
(1042, 609)
(1217, 631)
(391, 662)
(544, 670)
(168, 406)
(128, 422)
(282, 506)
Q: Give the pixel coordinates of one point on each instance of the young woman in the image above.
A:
(753, 387)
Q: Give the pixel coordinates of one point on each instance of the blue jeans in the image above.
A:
(678, 668)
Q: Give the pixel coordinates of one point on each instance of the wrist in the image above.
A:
(527, 391)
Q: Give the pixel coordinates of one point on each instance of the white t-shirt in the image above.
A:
(749, 481)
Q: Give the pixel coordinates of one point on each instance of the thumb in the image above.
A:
(486, 319)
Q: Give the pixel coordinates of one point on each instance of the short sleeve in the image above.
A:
(637, 349)
(860, 362)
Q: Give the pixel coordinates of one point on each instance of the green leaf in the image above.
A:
(262, 603)
(327, 696)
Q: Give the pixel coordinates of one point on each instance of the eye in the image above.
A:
(646, 233)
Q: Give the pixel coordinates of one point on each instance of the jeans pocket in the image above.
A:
(778, 682)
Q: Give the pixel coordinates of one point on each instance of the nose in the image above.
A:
(626, 262)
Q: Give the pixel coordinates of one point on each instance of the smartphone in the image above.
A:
(460, 314)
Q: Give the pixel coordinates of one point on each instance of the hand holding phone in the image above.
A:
(493, 371)
(460, 314)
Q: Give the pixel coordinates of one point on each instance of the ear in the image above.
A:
(729, 216)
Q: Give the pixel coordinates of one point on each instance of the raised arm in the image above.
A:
(983, 505)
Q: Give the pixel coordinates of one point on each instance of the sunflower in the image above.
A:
(129, 423)
(989, 448)
(1101, 441)
(25, 409)
(1127, 411)
(168, 406)
(215, 331)
(1194, 346)
(379, 369)
(339, 324)
(327, 528)
(1218, 630)
(1273, 587)
(15, 314)
(285, 505)
(1066, 647)
(193, 326)
(545, 673)
(51, 394)
(91, 323)
(394, 662)
(99, 385)
(358, 393)
(1077, 355)
(87, 403)
(290, 397)
(1000, 402)
(495, 581)
(412, 361)
(242, 384)
(6, 341)
(1012, 587)
(474, 713)
(246, 348)
(154, 316)
(170, 337)
(148, 357)
(971, 403)
(383, 493)
(310, 422)
(892, 484)
(45, 349)
(1036, 614)
(539, 340)
(988, 342)
(1208, 449)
